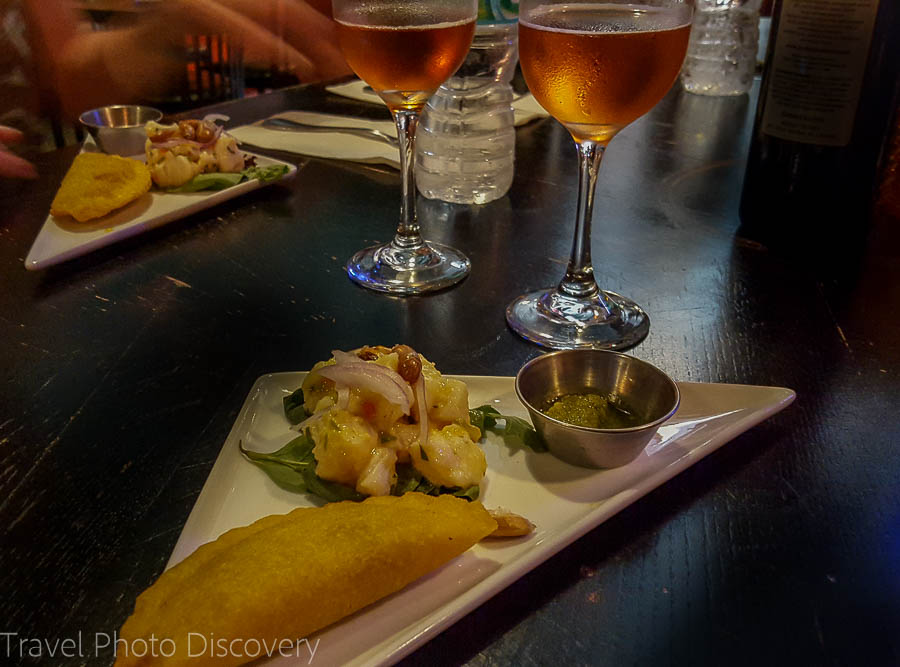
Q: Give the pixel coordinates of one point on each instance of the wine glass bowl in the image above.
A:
(405, 64)
(595, 67)
(405, 51)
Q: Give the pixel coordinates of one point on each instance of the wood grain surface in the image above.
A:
(122, 372)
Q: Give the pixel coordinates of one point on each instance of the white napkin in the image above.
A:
(525, 107)
(340, 146)
(329, 145)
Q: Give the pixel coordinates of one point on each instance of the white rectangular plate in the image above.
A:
(62, 239)
(563, 501)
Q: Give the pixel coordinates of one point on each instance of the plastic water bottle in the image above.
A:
(466, 141)
(721, 55)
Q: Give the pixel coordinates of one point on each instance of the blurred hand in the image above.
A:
(12, 166)
(297, 27)
(87, 69)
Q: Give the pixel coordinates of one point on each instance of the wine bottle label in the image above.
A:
(817, 69)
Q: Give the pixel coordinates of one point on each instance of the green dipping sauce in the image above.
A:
(591, 410)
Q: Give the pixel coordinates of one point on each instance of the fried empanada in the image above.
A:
(97, 184)
(285, 577)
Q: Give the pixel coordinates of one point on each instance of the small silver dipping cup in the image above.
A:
(119, 129)
(643, 388)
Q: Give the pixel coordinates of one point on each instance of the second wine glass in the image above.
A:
(595, 67)
(405, 51)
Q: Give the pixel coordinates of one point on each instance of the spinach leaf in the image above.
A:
(484, 417)
(410, 479)
(330, 492)
(293, 407)
(297, 454)
(428, 487)
(214, 181)
(514, 429)
(285, 477)
(219, 180)
(286, 466)
(265, 174)
(469, 494)
(293, 468)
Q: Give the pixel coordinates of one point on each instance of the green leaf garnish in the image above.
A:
(330, 492)
(286, 466)
(514, 430)
(293, 407)
(469, 494)
(214, 181)
(293, 468)
(220, 180)
(410, 479)
(265, 174)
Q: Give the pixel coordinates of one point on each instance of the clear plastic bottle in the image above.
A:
(721, 56)
(465, 142)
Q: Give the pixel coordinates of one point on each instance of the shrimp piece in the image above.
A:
(343, 446)
(380, 473)
(449, 458)
(170, 170)
(374, 408)
(348, 450)
(228, 155)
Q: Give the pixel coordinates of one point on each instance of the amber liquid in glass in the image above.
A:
(598, 69)
(405, 65)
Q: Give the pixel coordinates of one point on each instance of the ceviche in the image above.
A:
(378, 421)
(198, 154)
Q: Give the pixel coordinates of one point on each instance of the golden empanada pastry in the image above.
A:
(284, 577)
(97, 184)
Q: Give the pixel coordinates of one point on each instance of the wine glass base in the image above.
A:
(423, 268)
(561, 322)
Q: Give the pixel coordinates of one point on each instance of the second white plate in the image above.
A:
(60, 240)
(563, 501)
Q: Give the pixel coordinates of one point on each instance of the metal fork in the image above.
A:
(286, 125)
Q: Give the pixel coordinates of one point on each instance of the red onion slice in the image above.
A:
(172, 143)
(341, 357)
(373, 377)
(212, 117)
(316, 416)
(343, 397)
(181, 141)
(421, 410)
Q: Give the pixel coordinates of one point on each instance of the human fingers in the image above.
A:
(305, 26)
(9, 135)
(12, 166)
(300, 26)
(259, 43)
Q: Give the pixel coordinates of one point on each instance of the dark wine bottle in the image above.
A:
(829, 90)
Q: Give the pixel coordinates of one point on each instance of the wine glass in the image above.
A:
(405, 50)
(595, 67)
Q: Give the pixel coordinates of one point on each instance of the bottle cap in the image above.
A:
(497, 11)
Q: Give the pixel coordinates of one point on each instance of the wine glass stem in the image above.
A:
(408, 230)
(579, 280)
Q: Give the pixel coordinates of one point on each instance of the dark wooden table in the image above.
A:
(123, 371)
